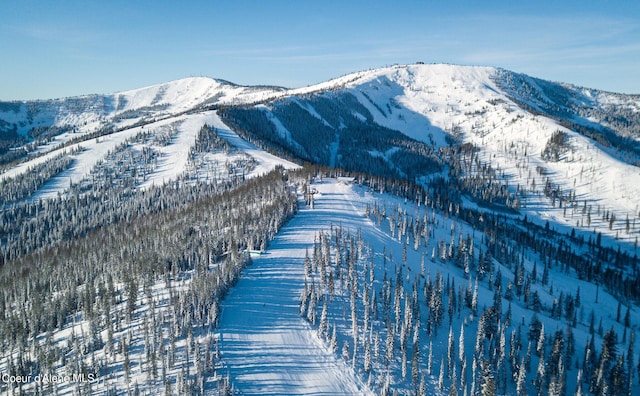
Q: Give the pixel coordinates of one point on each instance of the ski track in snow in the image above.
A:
(176, 154)
(267, 346)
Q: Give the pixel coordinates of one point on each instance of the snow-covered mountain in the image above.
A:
(196, 235)
(122, 109)
(558, 153)
(570, 155)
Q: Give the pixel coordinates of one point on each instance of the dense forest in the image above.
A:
(86, 262)
(103, 281)
(382, 311)
(342, 134)
(89, 264)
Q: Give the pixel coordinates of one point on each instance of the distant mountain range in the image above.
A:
(557, 152)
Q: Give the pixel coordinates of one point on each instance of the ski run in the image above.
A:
(265, 343)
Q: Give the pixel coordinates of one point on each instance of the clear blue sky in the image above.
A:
(64, 48)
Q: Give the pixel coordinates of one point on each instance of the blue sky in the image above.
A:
(66, 48)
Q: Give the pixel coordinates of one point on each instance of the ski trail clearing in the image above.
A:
(266, 345)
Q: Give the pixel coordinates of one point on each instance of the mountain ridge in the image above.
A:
(548, 143)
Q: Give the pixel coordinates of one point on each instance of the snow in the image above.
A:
(85, 160)
(179, 95)
(187, 93)
(267, 346)
(90, 113)
(427, 101)
(280, 128)
(173, 160)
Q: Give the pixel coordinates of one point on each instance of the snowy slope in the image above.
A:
(173, 158)
(475, 105)
(268, 348)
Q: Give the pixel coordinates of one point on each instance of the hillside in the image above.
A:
(417, 229)
(512, 124)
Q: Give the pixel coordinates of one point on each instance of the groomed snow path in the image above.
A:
(265, 344)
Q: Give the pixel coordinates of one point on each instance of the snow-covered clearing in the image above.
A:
(173, 157)
(267, 346)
